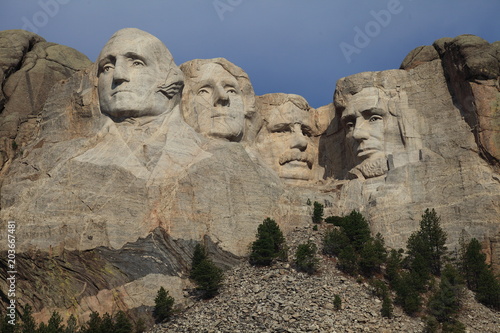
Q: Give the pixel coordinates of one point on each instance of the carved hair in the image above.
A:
(174, 78)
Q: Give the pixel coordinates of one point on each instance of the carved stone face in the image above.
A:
(218, 102)
(364, 121)
(285, 143)
(130, 76)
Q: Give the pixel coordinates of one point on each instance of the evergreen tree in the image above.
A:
(93, 325)
(393, 266)
(29, 324)
(335, 220)
(356, 229)
(407, 294)
(387, 307)
(306, 257)
(207, 276)
(140, 326)
(317, 212)
(5, 327)
(372, 256)
(337, 302)
(199, 255)
(444, 304)
(429, 242)
(453, 326)
(473, 263)
(348, 260)
(488, 291)
(71, 325)
(334, 241)
(269, 245)
(55, 323)
(42, 328)
(107, 323)
(122, 323)
(164, 304)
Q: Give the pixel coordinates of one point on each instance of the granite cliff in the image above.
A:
(112, 183)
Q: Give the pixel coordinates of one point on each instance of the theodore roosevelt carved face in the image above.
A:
(136, 75)
(217, 99)
(284, 142)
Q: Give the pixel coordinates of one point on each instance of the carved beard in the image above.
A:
(370, 169)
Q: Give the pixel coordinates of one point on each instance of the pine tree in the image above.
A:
(5, 327)
(348, 261)
(93, 325)
(317, 212)
(29, 324)
(429, 242)
(334, 241)
(269, 245)
(107, 323)
(473, 263)
(387, 307)
(488, 291)
(356, 229)
(444, 304)
(140, 326)
(207, 276)
(71, 325)
(164, 304)
(306, 257)
(122, 323)
(55, 323)
(337, 302)
(372, 256)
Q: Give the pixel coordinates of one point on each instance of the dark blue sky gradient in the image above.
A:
(290, 46)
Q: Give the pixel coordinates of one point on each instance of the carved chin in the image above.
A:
(370, 168)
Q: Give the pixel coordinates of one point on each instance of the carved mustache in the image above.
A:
(296, 155)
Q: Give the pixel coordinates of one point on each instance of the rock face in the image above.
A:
(30, 67)
(111, 191)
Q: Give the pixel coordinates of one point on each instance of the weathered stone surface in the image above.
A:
(111, 191)
(418, 56)
(421, 174)
(30, 67)
(472, 68)
(218, 99)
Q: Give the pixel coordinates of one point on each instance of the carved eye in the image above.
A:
(375, 118)
(203, 91)
(349, 125)
(137, 63)
(231, 91)
(306, 131)
(107, 67)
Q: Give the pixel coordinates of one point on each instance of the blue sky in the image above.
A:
(292, 46)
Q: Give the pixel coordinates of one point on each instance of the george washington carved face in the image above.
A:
(136, 75)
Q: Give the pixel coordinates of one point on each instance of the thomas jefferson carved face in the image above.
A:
(218, 102)
(284, 143)
(133, 69)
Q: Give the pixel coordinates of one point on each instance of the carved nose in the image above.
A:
(298, 140)
(221, 97)
(120, 73)
(360, 133)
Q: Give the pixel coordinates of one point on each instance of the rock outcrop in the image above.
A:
(30, 67)
(111, 191)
